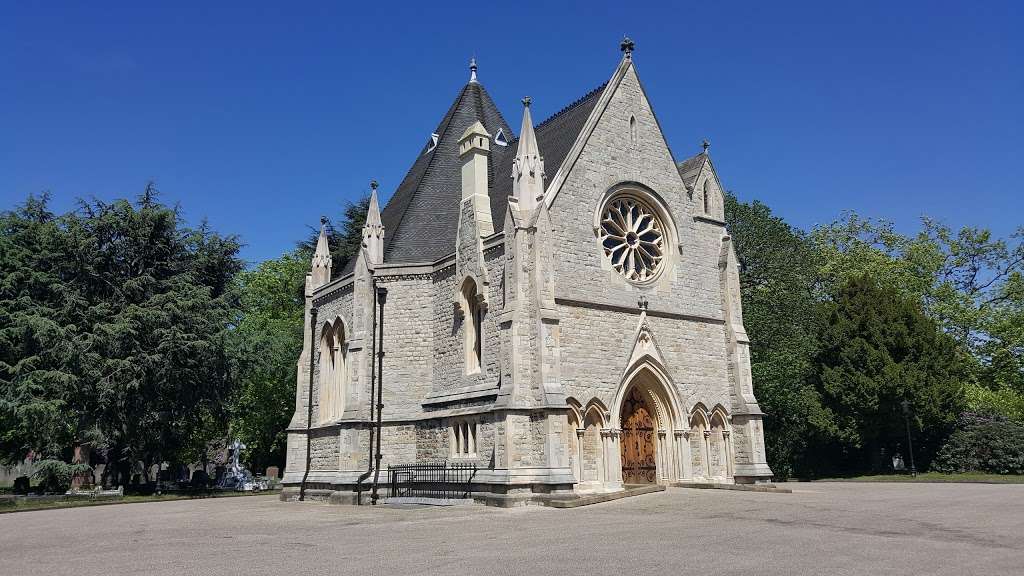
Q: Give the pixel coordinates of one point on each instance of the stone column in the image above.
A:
(727, 445)
(682, 455)
(662, 458)
(579, 454)
(616, 460)
(707, 454)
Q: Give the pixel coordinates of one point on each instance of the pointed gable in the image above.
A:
(690, 168)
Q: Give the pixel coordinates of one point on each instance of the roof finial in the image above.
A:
(627, 46)
(323, 222)
(705, 144)
(526, 101)
(472, 69)
(373, 185)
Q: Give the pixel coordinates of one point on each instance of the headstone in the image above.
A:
(21, 485)
(273, 472)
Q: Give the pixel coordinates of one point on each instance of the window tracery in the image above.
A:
(633, 237)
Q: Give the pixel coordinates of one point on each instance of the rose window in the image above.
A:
(633, 238)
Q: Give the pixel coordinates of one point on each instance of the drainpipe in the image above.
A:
(382, 296)
(309, 400)
(373, 352)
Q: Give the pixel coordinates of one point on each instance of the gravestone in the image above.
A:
(21, 485)
(273, 472)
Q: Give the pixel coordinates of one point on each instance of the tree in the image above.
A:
(265, 345)
(116, 323)
(779, 285)
(878, 349)
(343, 240)
(268, 338)
(968, 281)
(38, 414)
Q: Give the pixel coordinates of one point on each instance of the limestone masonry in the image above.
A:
(563, 311)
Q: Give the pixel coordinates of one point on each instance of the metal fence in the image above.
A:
(441, 480)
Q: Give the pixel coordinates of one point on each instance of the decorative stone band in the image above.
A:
(633, 310)
(333, 294)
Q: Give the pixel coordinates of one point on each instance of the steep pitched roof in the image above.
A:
(689, 169)
(555, 136)
(421, 217)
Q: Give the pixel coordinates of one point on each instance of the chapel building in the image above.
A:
(563, 311)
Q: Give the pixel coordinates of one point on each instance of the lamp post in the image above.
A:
(910, 444)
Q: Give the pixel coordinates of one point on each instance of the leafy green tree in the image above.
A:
(781, 312)
(877, 349)
(266, 344)
(967, 280)
(268, 338)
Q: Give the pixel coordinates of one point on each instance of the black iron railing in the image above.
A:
(443, 480)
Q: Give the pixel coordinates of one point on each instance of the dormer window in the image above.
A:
(433, 142)
(500, 138)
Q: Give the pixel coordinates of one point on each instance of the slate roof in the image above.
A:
(689, 169)
(421, 216)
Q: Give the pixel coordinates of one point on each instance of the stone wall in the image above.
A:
(597, 332)
(449, 369)
(689, 284)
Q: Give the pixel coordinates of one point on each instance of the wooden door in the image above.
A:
(637, 442)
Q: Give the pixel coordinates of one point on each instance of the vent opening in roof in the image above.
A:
(500, 139)
(433, 142)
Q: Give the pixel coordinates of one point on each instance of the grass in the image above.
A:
(966, 477)
(25, 506)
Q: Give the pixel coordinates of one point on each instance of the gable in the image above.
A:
(611, 131)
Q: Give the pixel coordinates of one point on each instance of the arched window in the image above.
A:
(632, 131)
(472, 326)
(332, 371)
(707, 196)
(721, 465)
(699, 443)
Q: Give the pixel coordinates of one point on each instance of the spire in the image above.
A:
(472, 70)
(528, 165)
(321, 266)
(373, 230)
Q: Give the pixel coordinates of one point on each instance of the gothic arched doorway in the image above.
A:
(639, 465)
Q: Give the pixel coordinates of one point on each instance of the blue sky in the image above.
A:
(262, 116)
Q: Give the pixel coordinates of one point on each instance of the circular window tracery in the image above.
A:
(633, 238)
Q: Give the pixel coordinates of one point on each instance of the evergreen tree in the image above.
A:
(345, 239)
(878, 349)
(115, 323)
